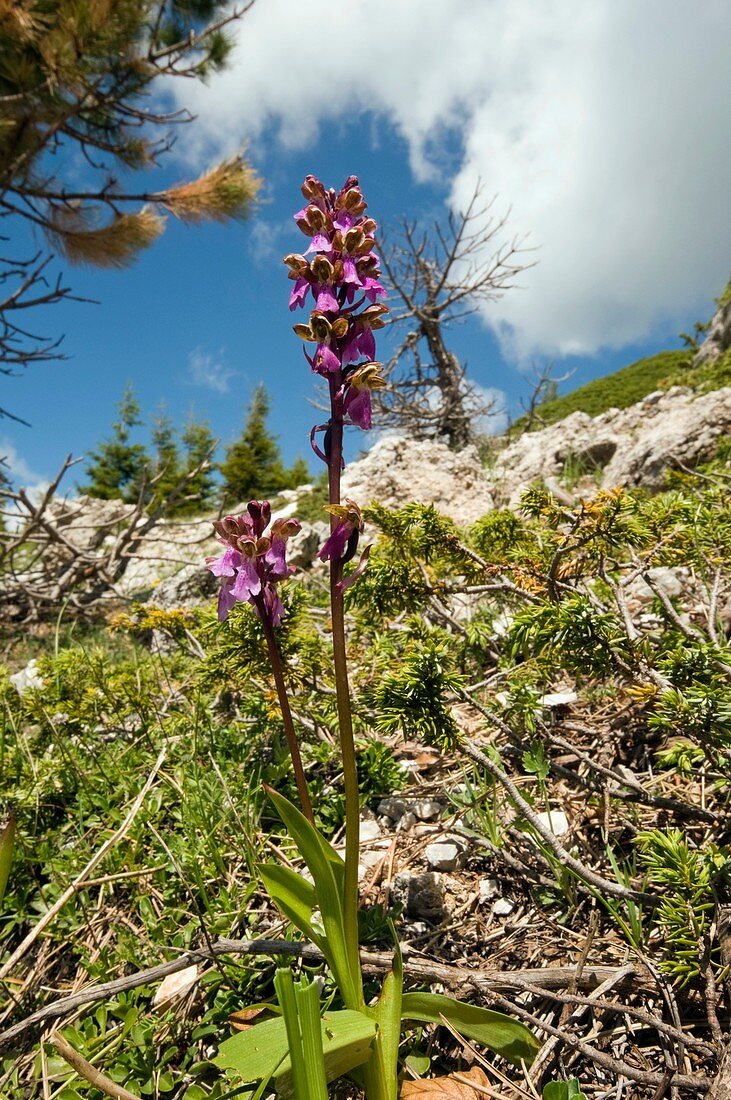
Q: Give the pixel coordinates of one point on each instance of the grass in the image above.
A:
(619, 390)
(632, 383)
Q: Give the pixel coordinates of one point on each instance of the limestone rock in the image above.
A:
(536, 456)
(718, 338)
(86, 521)
(419, 895)
(28, 678)
(444, 855)
(679, 425)
(171, 547)
(189, 587)
(556, 821)
(628, 447)
(396, 471)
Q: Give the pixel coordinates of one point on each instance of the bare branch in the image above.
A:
(439, 277)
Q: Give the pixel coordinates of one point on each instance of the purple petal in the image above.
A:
(299, 293)
(358, 407)
(276, 558)
(226, 564)
(226, 600)
(350, 271)
(326, 300)
(247, 581)
(334, 547)
(351, 347)
(326, 360)
(274, 605)
(320, 243)
(367, 344)
(373, 289)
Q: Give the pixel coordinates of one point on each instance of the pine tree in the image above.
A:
(77, 87)
(166, 466)
(117, 468)
(298, 474)
(199, 443)
(253, 465)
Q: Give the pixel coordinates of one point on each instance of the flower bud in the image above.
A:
(285, 528)
(296, 263)
(260, 512)
(353, 240)
(312, 189)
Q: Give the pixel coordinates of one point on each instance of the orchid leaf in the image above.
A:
(7, 843)
(307, 996)
(262, 1051)
(380, 1075)
(328, 874)
(293, 895)
(495, 1030)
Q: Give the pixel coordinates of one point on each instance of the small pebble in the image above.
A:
(502, 907)
(369, 830)
(556, 821)
(488, 888)
(443, 856)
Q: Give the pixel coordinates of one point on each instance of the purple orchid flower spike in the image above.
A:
(343, 278)
(252, 562)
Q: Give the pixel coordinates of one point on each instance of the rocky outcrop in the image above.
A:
(665, 429)
(397, 470)
(87, 521)
(631, 447)
(718, 337)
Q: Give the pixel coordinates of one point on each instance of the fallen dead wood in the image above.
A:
(425, 971)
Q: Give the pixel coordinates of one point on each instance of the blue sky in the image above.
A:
(605, 131)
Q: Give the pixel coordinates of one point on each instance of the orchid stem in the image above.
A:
(342, 688)
(275, 661)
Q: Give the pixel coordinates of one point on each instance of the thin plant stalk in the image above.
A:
(275, 661)
(342, 687)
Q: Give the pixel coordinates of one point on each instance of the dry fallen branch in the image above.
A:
(50, 557)
(423, 971)
(89, 1072)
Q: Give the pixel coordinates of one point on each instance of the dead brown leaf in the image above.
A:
(244, 1018)
(453, 1087)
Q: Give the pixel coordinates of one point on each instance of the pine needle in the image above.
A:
(112, 245)
(226, 191)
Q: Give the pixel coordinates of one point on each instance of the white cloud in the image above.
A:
(19, 470)
(495, 420)
(604, 125)
(209, 371)
(268, 240)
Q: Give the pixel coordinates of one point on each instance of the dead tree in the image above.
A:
(438, 277)
(55, 552)
(544, 388)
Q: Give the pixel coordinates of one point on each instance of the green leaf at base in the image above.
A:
(262, 1051)
(494, 1030)
(293, 895)
(7, 841)
(563, 1090)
